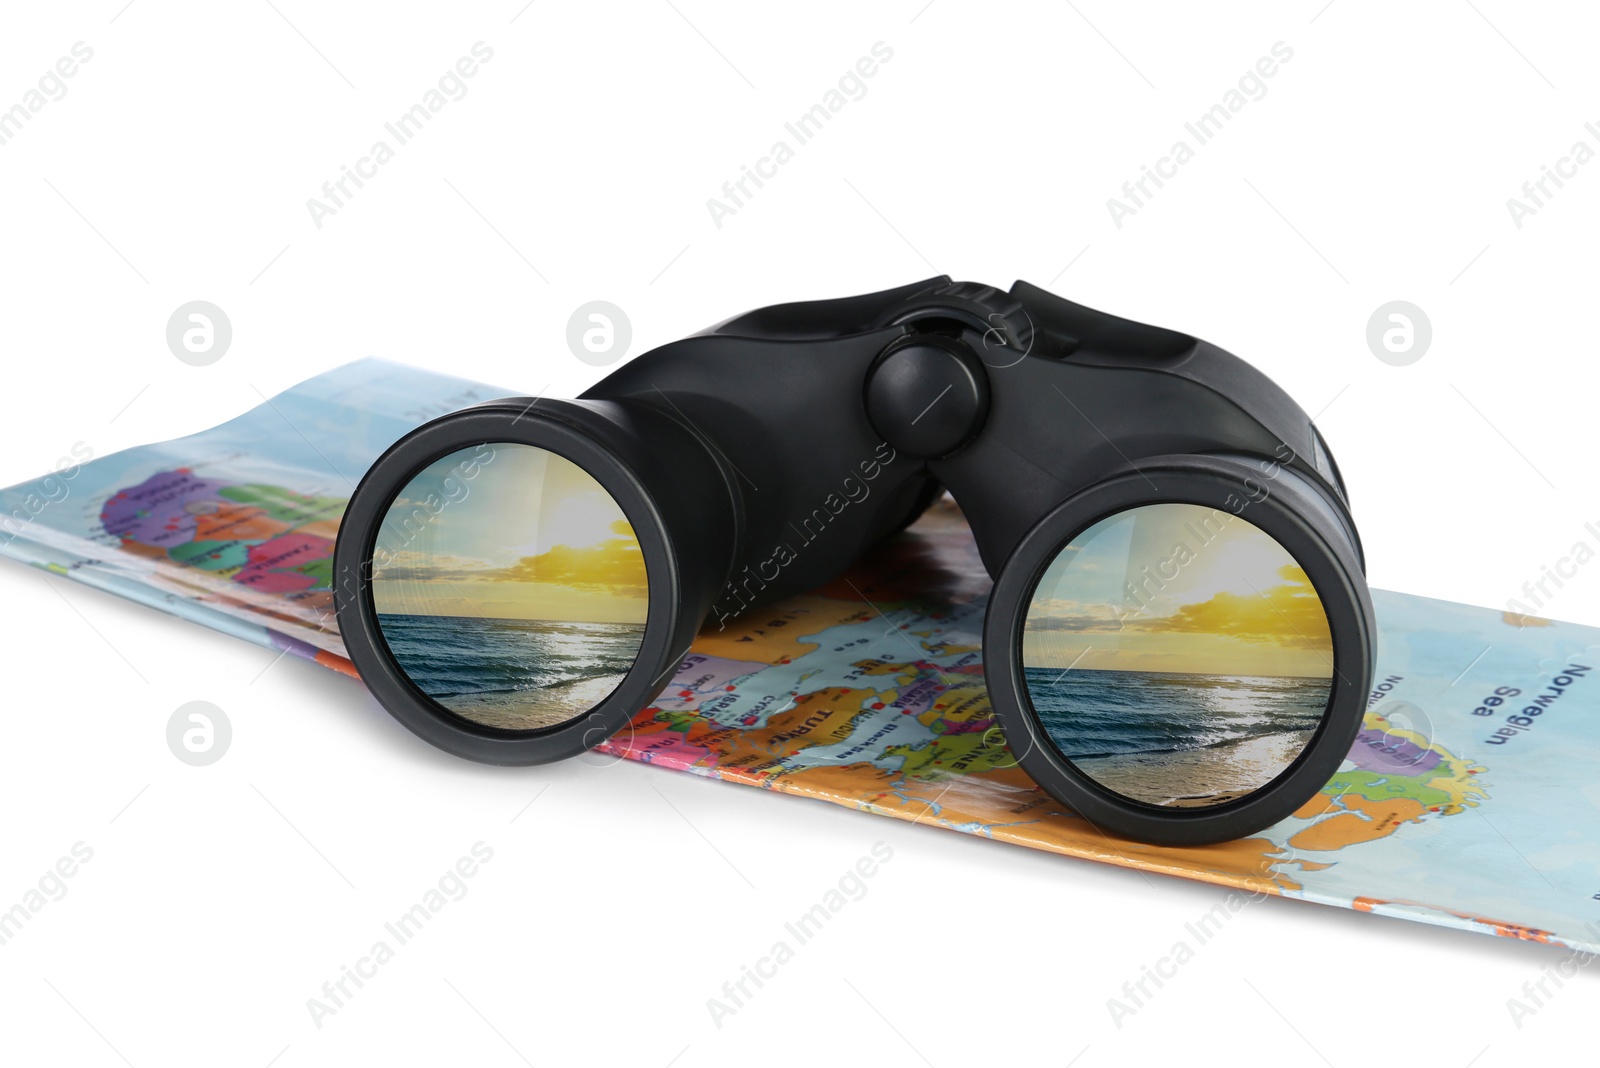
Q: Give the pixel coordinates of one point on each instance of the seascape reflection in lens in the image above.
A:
(509, 586)
(1177, 655)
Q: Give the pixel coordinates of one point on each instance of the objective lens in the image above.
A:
(509, 586)
(1177, 655)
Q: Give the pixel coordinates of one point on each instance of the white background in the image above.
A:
(177, 167)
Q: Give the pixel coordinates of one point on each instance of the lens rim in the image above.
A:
(516, 421)
(1299, 518)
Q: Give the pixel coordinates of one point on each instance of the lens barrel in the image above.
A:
(516, 581)
(1180, 653)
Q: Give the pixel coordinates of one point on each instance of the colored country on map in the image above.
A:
(267, 538)
(1398, 777)
(157, 511)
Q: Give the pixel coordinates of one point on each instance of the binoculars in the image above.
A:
(1179, 642)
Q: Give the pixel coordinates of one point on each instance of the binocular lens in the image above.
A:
(509, 586)
(1177, 655)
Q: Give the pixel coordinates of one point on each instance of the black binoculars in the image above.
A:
(1179, 642)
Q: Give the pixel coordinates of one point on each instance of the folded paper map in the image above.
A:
(1470, 799)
